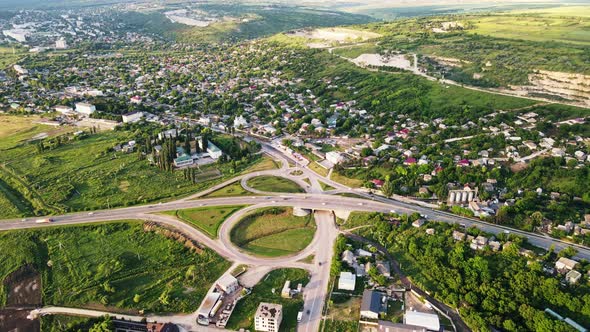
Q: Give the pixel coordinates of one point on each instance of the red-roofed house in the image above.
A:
(410, 161)
(378, 183)
(463, 163)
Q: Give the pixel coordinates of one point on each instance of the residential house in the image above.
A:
(565, 264)
(372, 304)
(573, 276)
(348, 257)
(418, 223)
(458, 236)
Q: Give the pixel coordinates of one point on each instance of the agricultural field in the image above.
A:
(536, 27)
(8, 56)
(264, 231)
(122, 266)
(243, 315)
(275, 184)
(84, 173)
(206, 219)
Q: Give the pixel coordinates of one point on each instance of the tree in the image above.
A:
(105, 325)
(387, 188)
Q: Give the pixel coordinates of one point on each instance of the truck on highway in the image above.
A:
(44, 221)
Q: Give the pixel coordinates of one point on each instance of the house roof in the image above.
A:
(371, 301)
(429, 321)
(567, 262)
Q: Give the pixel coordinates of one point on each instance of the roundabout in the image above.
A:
(273, 232)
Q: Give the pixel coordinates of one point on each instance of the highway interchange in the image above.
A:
(321, 246)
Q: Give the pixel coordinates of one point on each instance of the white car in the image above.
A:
(360, 203)
(323, 203)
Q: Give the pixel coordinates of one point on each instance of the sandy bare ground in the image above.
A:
(325, 36)
(378, 60)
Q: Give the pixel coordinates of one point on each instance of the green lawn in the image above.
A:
(317, 168)
(356, 219)
(243, 315)
(265, 164)
(349, 182)
(326, 187)
(234, 189)
(273, 232)
(206, 219)
(118, 265)
(274, 184)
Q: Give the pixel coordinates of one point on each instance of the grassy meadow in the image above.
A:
(263, 232)
(85, 173)
(243, 315)
(275, 184)
(232, 190)
(116, 265)
(206, 219)
(567, 27)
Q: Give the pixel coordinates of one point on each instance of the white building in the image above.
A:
(347, 281)
(85, 108)
(132, 117)
(239, 121)
(228, 284)
(213, 151)
(20, 70)
(335, 157)
(268, 317)
(429, 321)
(61, 44)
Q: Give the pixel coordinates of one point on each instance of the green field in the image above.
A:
(206, 219)
(265, 231)
(8, 56)
(243, 315)
(118, 265)
(86, 174)
(548, 27)
(353, 52)
(274, 184)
